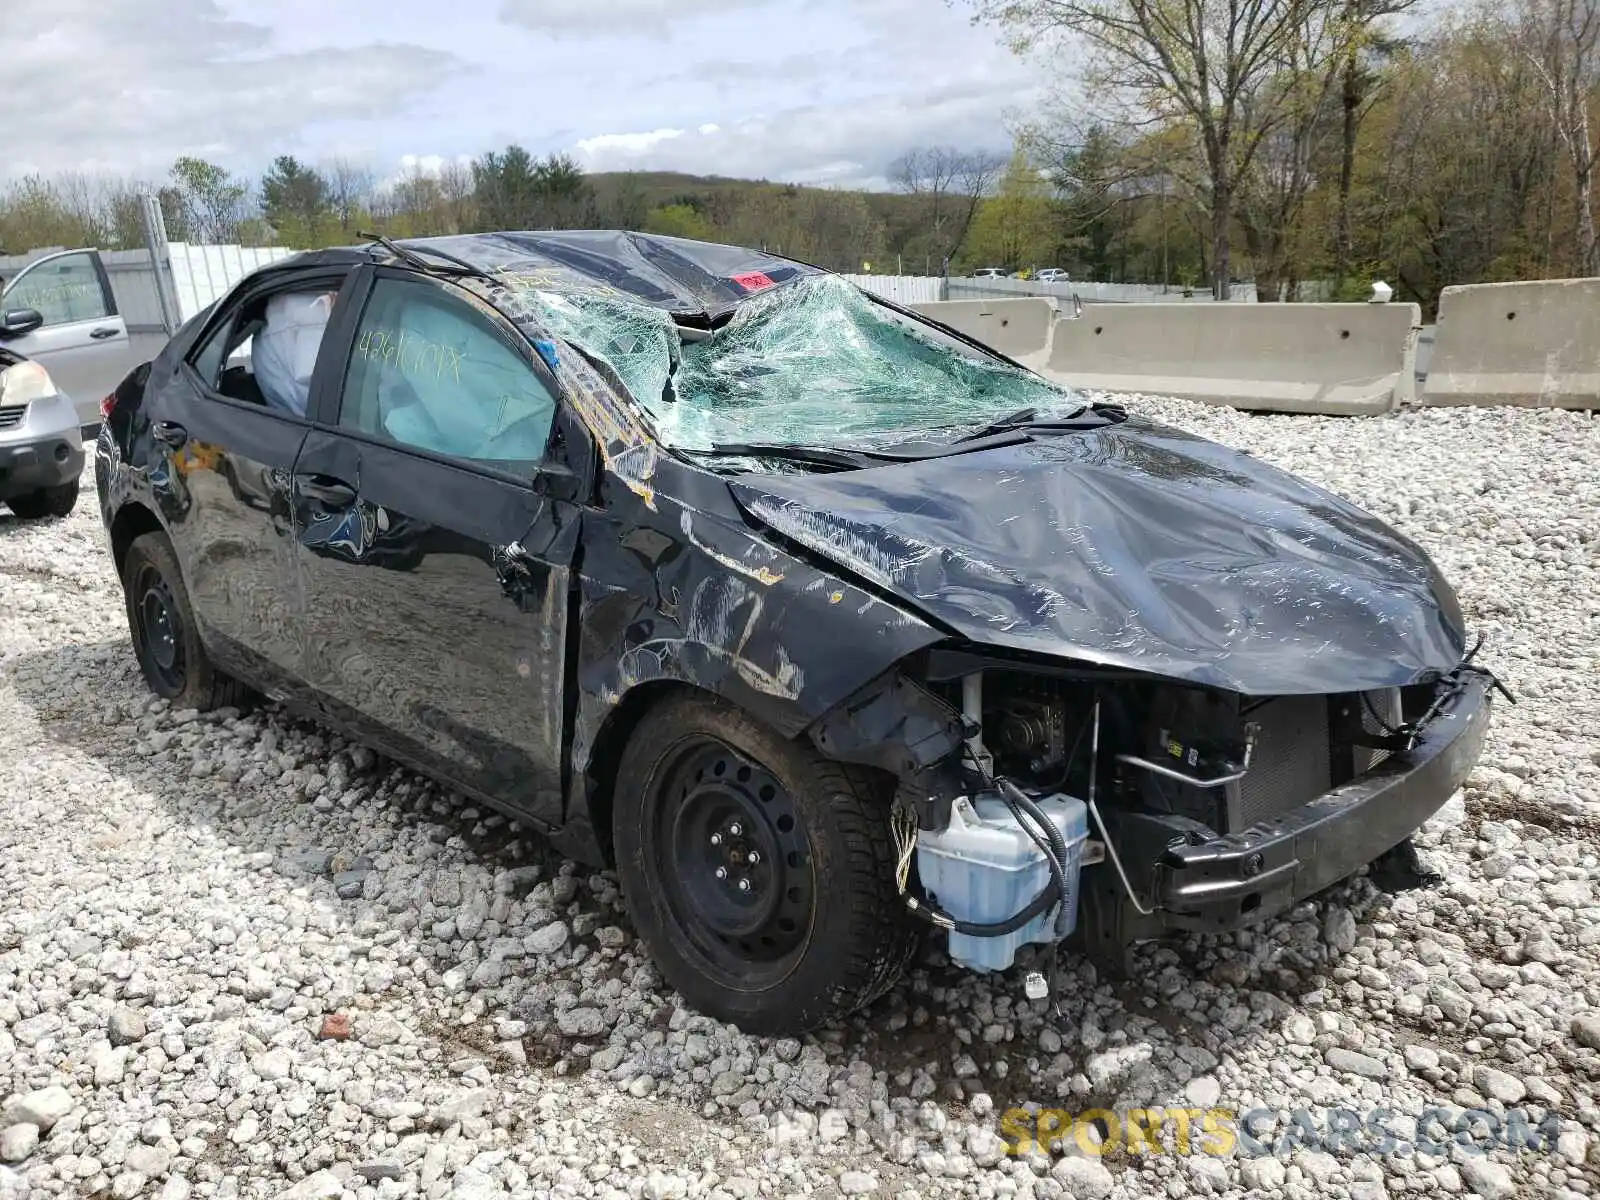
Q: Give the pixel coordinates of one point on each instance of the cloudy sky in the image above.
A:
(813, 91)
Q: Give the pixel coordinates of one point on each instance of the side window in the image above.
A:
(63, 290)
(207, 360)
(428, 370)
(265, 351)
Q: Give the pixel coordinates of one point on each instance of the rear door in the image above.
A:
(222, 444)
(83, 342)
(436, 573)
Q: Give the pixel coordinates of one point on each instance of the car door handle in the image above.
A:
(333, 493)
(170, 433)
(98, 334)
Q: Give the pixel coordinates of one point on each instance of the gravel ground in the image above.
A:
(239, 957)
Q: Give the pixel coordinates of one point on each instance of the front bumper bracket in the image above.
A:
(1241, 878)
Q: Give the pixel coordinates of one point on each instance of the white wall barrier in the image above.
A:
(202, 274)
(1019, 328)
(1308, 358)
(902, 289)
(1528, 344)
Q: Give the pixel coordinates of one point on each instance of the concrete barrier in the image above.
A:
(1019, 328)
(1532, 344)
(1302, 358)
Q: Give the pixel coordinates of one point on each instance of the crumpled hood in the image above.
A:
(1137, 546)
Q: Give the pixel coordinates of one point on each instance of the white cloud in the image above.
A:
(820, 91)
(606, 145)
(613, 18)
(127, 85)
(428, 165)
(844, 144)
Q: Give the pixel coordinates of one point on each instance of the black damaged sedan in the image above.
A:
(824, 624)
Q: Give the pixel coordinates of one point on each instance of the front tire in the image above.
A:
(759, 874)
(165, 636)
(56, 501)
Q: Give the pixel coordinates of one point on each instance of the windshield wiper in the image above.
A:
(413, 255)
(838, 460)
(1010, 421)
(918, 450)
(1090, 416)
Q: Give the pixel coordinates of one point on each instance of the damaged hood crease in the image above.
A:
(1140, 547)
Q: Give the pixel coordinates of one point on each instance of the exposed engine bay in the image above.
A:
(1070, 786)
(1218, 759)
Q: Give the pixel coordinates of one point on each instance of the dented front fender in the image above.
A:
(687, 592)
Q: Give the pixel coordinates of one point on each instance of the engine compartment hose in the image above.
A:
(935, 915)
(1056, 851)
(1016, 798)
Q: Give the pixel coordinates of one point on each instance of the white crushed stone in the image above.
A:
(189, 903)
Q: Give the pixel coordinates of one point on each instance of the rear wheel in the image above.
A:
(165, 637)
(46, 502)
(758, 873)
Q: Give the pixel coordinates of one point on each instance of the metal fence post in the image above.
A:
(155, 237)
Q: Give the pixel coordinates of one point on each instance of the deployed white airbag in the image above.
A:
(284, 353)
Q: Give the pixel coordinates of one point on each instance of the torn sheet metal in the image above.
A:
(690, 593)
(1140, 547)
(694, 280)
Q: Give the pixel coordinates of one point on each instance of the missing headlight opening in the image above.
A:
(1167, 806)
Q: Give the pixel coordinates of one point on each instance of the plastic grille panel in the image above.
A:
(1291, 764)
(10, 418)
(1386, 704)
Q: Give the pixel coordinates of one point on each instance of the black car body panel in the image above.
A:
(1140, 547)
(436, 608)
(503, 633)
(697, 281)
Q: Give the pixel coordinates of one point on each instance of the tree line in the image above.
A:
(923, 226)
(1312, 146)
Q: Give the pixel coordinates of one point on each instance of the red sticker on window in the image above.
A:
(753, 281)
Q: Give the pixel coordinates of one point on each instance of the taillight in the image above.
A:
(107, 406)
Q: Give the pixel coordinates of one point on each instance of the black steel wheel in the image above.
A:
(158, 630)
(730, 852)
(166, 639)
(759, 873)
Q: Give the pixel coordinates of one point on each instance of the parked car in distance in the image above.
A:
(1053, 275)
(991, 273)
(825, 625)
(60, 311)
(41, 450)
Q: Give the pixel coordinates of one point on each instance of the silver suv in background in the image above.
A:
(63, 346)
(60, 311)
(41, 447)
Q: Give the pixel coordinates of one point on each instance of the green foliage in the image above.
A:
(33, 215)
(295, 196)
(513, 190)
(678, 220)
(1017, 228)
(210, 202)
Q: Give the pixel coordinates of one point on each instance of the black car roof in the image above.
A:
(689, 279)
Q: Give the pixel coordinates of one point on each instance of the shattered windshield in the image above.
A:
(814, 362)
